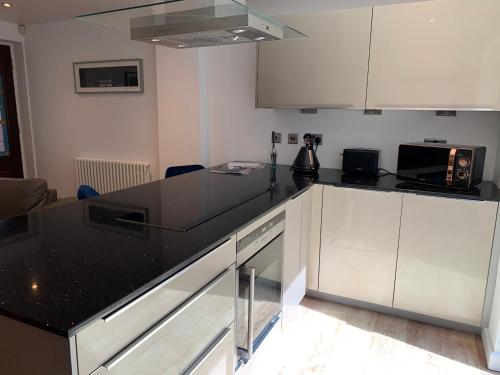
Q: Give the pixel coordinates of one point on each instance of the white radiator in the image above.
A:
(111, 175)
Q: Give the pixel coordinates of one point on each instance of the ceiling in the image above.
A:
(27, 12)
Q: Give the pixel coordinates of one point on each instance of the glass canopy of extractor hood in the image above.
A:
(194, 23)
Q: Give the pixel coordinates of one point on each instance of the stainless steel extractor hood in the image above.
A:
(195, 23)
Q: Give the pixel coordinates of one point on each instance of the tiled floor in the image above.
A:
(327, 338)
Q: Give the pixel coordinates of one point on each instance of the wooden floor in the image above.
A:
(327, 338)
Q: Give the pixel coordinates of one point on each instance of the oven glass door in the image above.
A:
(258, 317)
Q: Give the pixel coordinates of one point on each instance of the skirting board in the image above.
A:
(492, 357)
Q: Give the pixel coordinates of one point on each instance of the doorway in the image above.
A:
(11, 163)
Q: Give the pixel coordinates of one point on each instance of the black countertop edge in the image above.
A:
(141, 291)
(485, 191)
(120, 303)
(152, 284)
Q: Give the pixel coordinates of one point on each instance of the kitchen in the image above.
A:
(333, 222)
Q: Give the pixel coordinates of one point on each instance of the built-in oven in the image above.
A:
(260, 274)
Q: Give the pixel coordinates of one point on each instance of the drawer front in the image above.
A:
(105, 337)
(182, 341)
(220, 358)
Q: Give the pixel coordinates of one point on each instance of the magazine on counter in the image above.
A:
(237, 167)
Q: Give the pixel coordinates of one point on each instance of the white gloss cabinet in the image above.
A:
(441, 54)
(306, 233)
(293, 283)
(313, 251)
(359, 244)
(189, 338)
(220, 359)
(326, 69)
(444, 255)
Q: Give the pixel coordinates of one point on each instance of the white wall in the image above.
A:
(239, 131)
(179, 133)
(9, 32)
(66, 124)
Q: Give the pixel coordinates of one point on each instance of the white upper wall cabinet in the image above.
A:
(326, 70)
(436, 54)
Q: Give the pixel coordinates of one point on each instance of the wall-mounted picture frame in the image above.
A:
(112, 76)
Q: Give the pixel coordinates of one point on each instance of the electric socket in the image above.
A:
(293, 138)
(320, 136)
(277, 137)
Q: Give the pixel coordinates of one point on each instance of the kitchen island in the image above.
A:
(62, 269)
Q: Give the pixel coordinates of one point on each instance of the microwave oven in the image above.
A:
(453, 166)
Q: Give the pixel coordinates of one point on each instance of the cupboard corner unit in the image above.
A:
(359, 244)
(444, 257)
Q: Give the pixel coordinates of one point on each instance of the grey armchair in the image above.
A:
(19, 196)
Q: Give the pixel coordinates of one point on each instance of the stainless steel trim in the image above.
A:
(259, 222)
(73, 355)
(254, 242)
(250, 312)
(423, 108)
(198, 362)
(313, 106)
(119, 312)
(197, 29)
(146, 336)
(393, 311)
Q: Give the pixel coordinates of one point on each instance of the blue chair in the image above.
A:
(86, 191)
(182, 169)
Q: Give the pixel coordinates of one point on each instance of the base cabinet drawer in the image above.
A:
(220, 357)
(105, 337)
(177, 343)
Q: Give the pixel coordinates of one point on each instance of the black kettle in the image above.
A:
(306, 162)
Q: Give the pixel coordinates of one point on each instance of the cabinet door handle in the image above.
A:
(115, 314)
(431, 108)
(149, 334)
(207, 353)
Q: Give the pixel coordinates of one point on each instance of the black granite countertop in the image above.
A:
(486, 191)
(63, 267)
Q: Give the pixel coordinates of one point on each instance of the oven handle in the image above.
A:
(250, 312)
